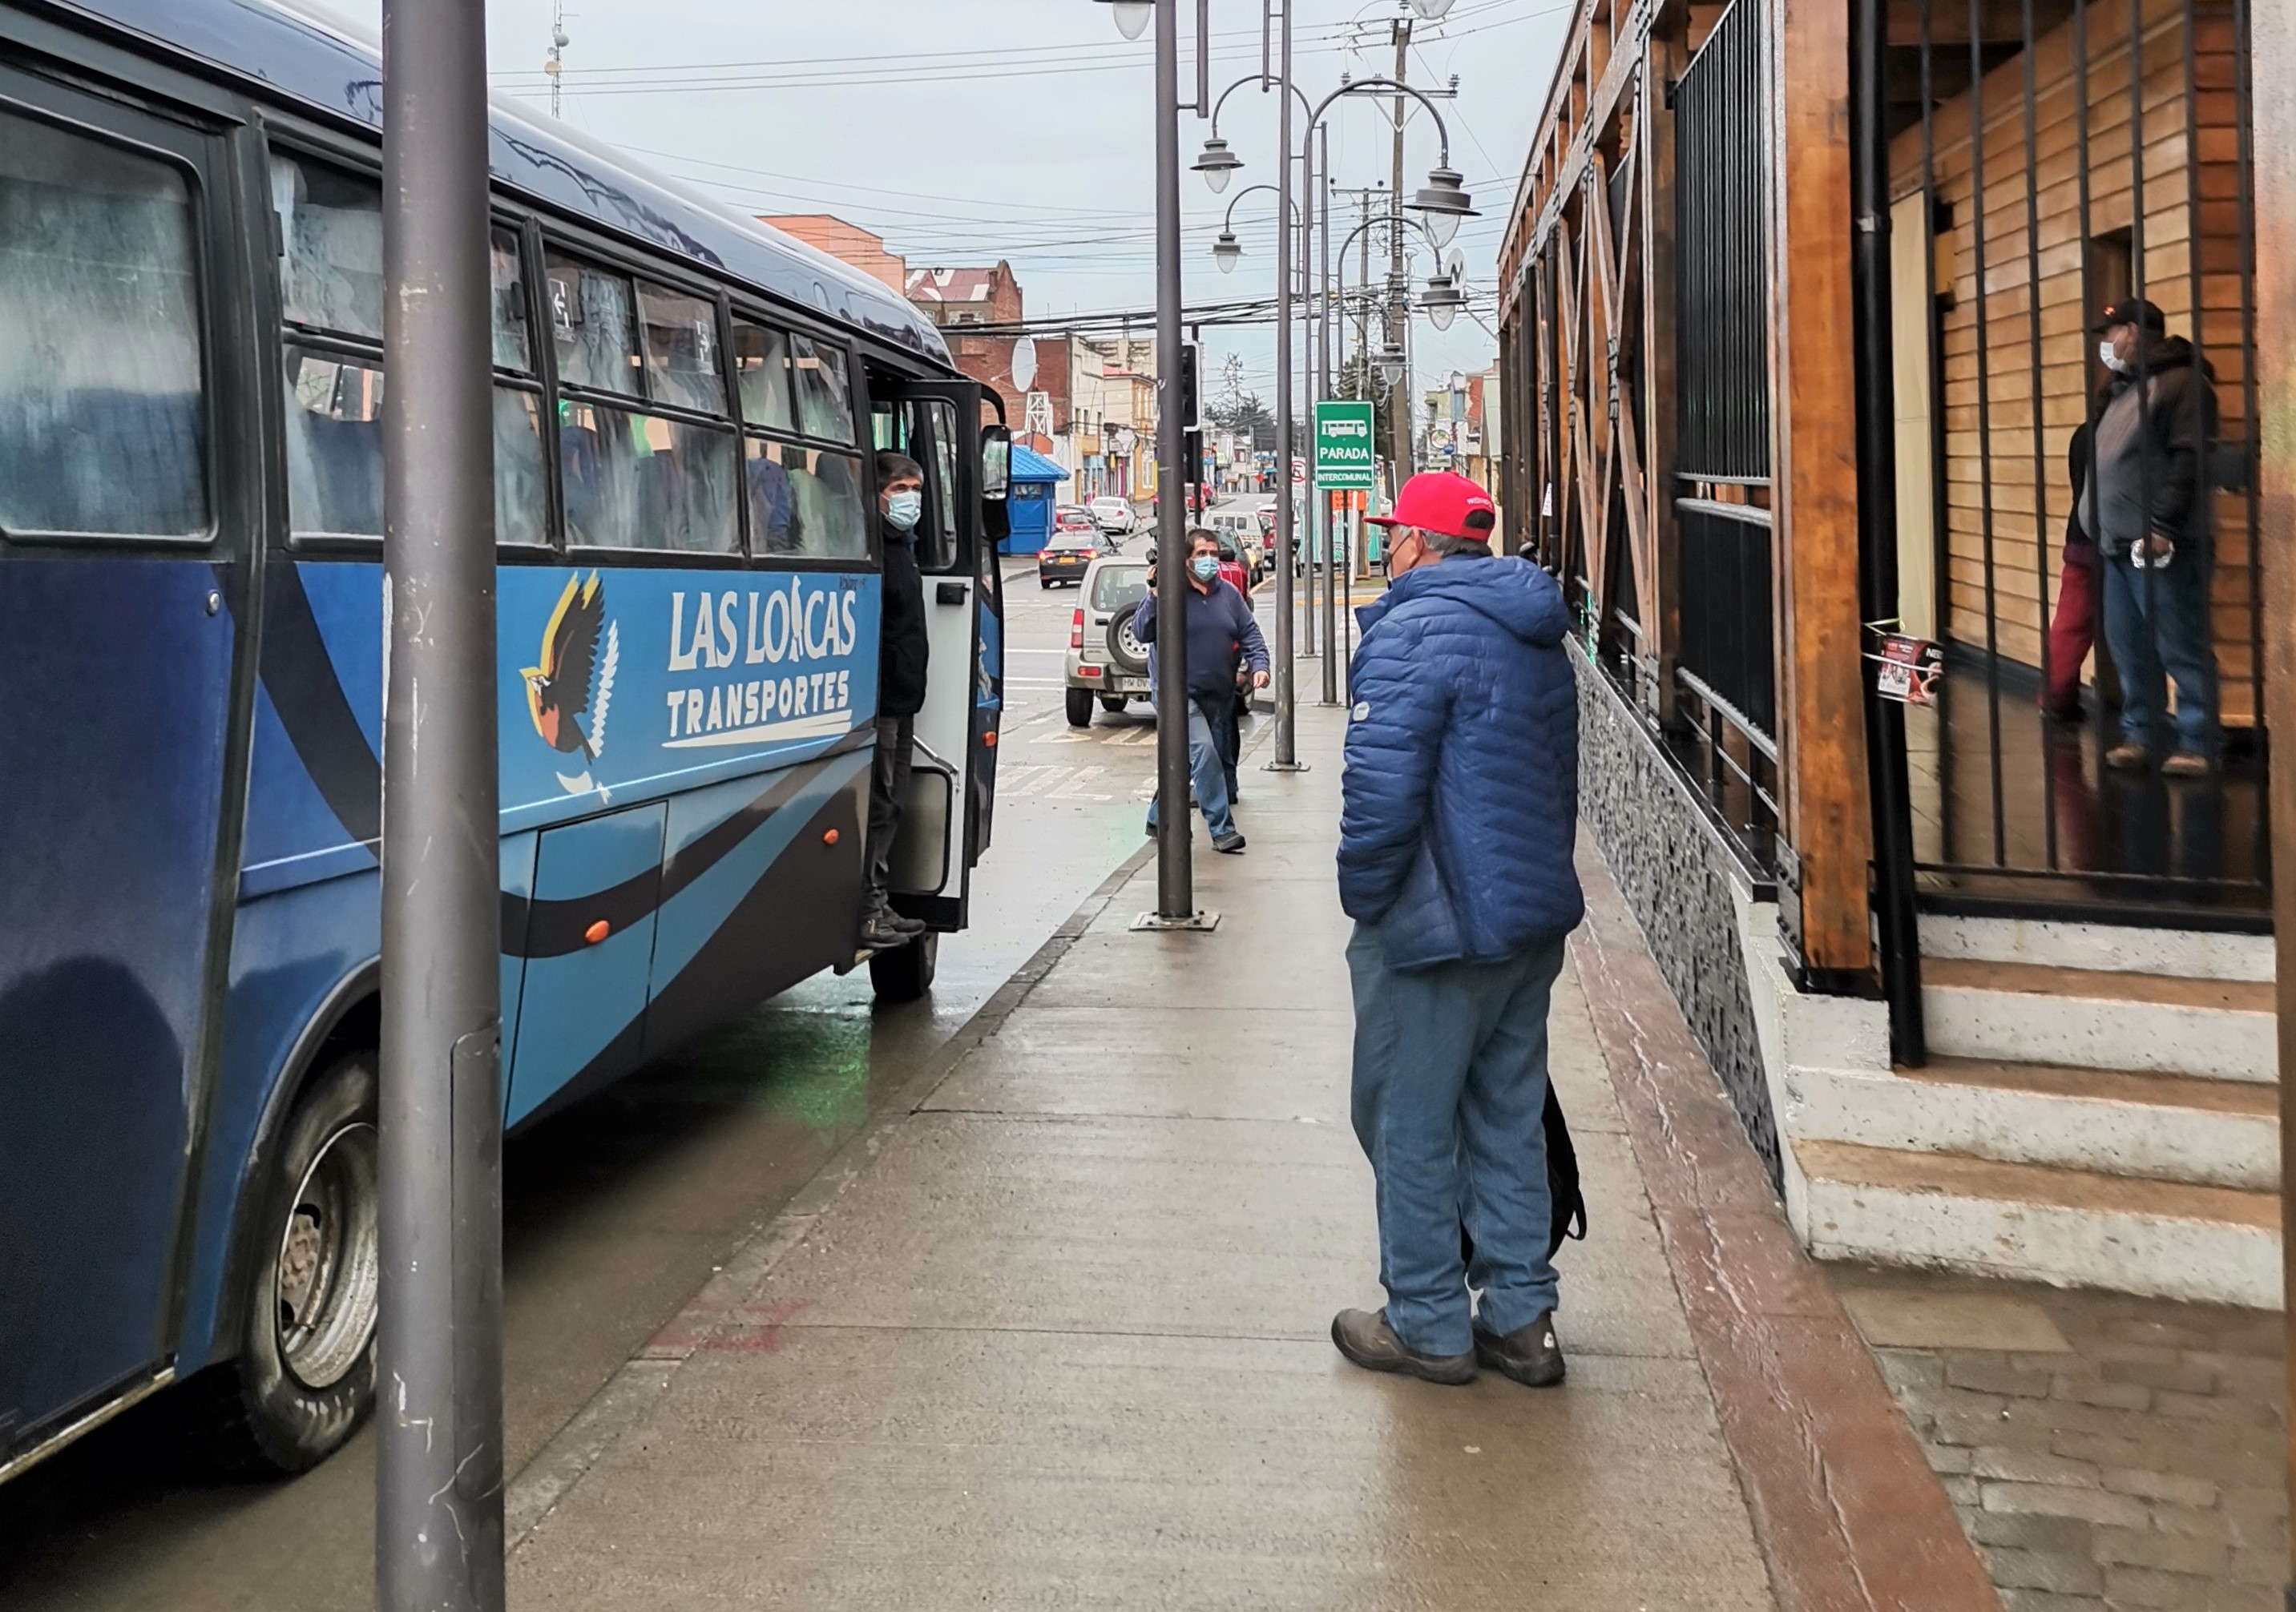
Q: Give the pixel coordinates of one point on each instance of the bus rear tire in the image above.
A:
(304, 1379)
(906, 972)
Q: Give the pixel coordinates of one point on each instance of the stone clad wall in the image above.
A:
(1680, 879)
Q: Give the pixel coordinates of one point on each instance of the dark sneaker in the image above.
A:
(1528, 1354)
(883, 932)
(1365, 1337)
(910, 927)
(2186, 764)
(1231, 842)
(2128, 757)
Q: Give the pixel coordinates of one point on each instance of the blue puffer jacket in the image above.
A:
(1461, 797)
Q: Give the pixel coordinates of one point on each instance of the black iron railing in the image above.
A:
(1721, 109)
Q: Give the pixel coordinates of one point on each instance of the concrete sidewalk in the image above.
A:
(1056, 1335)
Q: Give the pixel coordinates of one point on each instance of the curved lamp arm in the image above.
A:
(1228, 222)
(1339, 252)
(1361, 87)
(1251, 78)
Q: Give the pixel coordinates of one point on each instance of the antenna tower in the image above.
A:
(555, 64)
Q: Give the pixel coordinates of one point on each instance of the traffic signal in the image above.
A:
(1192, 394)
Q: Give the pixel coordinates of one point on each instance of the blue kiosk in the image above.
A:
(1030, 505)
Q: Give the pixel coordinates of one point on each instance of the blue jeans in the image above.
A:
(2155, 621)
(1450, 1088)
(1208, 765)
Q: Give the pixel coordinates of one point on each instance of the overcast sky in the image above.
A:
(967, 130)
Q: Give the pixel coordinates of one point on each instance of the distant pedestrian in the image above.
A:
(1459, 812)
(2147, 504)
(901, 655)
(1220, 630)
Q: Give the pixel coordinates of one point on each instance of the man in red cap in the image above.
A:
(1459, 813)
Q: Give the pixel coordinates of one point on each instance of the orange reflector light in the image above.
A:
(597, 931)
(1087, 671)
(988, 740)
(830, 838)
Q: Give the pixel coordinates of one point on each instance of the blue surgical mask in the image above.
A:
(904, 508)
(1205, 566)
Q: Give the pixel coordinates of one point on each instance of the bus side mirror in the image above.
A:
(995, 464)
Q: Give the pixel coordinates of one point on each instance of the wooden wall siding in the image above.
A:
(2191, 149)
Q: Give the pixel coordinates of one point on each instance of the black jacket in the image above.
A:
(2180, 428)
(901, 644)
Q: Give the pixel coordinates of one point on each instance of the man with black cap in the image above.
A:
(2146, 503)
(1459, 811)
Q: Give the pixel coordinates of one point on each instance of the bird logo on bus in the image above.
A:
(574, 679)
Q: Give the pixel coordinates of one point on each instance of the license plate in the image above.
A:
(1132, 685)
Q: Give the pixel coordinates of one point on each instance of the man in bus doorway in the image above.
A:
(901, 652)
(2146, 503)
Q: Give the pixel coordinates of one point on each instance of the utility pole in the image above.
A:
(1287, 751)
(1398, 310)
(438, 1453)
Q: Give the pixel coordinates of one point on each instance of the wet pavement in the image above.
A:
(1058, 1337)
(615, 1210)
(2105, 1452)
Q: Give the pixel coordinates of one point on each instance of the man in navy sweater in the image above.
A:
(1220, 629)
(1458, 809)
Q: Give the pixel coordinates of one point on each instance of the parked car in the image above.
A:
(1105, 662)
(1113, 514)
(1066, 555)
(1240, 533)
(1074, 517)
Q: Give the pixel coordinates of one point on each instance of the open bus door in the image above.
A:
(947, 820)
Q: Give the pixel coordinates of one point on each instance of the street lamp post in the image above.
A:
(439, 1454)
(1176, 907)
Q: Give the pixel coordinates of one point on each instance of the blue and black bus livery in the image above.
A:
(191, 676)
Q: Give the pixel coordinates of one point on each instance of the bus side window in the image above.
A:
(331, 294)
(102, 423)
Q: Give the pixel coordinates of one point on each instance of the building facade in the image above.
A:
(1982, 1001)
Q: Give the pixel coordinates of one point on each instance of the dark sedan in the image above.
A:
(1066, 554)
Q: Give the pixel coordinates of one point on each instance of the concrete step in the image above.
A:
(2104, 947)
(2036, 1223)
(2112, 1122)
(2022, 1012)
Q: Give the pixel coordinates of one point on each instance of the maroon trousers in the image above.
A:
(2073, 631)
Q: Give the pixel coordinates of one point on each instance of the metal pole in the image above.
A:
(1287, 750)
(2271, 41)
(1399, 310)
(1174, 833)
(1877, 519)
(439, 1457)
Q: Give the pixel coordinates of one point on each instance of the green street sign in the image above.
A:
(1345, 460)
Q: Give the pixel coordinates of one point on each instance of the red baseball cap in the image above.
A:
(1444, 503)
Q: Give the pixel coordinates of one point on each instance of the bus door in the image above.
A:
(122, 576)
(947, 820)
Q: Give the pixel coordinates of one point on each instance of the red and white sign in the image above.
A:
(1299, 471)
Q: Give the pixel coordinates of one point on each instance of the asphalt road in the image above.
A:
(617, 1210)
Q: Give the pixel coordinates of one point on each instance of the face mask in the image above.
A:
(1205, 566)
(903, 509)
(2112, 360)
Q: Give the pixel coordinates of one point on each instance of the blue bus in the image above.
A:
(191, 667)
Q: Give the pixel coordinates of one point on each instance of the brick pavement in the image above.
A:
(2103, 1452)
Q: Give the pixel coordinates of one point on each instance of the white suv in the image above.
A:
(1105, 662)
(1113, 514)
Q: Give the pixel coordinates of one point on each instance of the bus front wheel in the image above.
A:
(305, 1375)
(905, 973)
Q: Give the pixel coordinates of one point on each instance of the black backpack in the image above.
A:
(1569, 1220)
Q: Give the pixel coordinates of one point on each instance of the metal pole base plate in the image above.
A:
(1201, 922)
(1287, 766)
